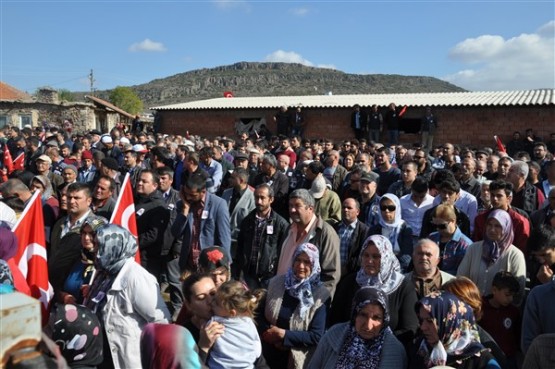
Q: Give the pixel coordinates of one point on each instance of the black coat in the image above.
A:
(268, 252)
(359, 236)
(152, 221)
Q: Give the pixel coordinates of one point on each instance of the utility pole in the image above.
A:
(92, 80)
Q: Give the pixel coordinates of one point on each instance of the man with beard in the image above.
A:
(426, 276)
(202, 221)
(388, 174)
(259, 241)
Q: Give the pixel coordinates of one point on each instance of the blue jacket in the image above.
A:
(214, 228)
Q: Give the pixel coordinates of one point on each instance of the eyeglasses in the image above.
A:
(441, 225)
(389, 208)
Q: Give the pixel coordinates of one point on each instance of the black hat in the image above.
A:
(95, 132)
(212, 258)
(110, 163)
(370, 177)
(241, 156)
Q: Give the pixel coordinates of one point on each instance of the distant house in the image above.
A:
(19, 109)
(467, 118)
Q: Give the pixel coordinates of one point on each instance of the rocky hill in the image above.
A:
(277, 79)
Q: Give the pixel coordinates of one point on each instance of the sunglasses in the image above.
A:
(388, 208)
(441, 225)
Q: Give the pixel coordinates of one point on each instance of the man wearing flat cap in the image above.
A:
(110, 168)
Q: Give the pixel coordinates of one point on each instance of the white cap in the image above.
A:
(318, 187)
(106, 139)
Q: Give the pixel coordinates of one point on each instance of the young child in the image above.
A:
(239, 346)
(500, 317)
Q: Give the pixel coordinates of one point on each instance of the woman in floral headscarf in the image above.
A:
(366, 341)
(483, 259)
(449, 335)
(124, 296)
(380, 268)
(295, 311)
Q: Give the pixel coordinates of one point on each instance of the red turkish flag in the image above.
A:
(228, 94)
(8, 161)
(19, 162)
(403, 111)
(124, 212)
(31, 253)
(500, 146)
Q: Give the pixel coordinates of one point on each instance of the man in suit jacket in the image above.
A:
(240, 201)
(202, 220)
(352, 234)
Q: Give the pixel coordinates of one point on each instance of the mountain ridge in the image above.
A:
(248, 79)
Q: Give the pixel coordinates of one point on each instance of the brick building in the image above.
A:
(466, 118)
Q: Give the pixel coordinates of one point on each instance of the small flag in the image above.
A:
(228, 94)
(8, 161)
(124, 212)
(19, 162)
(403, 111)
(500, 146)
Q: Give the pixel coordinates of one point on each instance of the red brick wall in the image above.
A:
(474, 126)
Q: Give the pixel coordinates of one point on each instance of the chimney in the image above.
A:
(47, 95)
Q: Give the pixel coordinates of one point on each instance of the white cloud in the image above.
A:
(299, 12)
(281, 56)
(230, 4)
(523, 62)
(147, 45)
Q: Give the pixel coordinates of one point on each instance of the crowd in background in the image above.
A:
(289, 252)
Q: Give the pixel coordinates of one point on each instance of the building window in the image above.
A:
(3, 121)
(24, 120)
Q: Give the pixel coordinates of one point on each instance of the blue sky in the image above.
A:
(477, 45)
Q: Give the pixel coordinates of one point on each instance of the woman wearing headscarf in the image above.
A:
(366, 341)
(168, 346)
(395, 229)
(77, 332)
(50, 204)
(82, 273)
(380, 269)
(124, 296)
(483, 259)
(449, 335)
(295, 311)
(8, 250)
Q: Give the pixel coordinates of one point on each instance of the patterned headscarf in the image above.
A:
(77, 331)
(115, 246)
(301, 289)
(8, 243)
(491, 250)
(456, 327)
(389, 277)
(357, 352)
(6, 278)
(395, 227)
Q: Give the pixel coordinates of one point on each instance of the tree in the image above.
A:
(124, 98)
(65, 95)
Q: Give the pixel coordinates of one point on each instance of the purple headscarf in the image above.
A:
(8, 243)
(491, 250)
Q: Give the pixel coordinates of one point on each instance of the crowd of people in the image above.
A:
(286, 252)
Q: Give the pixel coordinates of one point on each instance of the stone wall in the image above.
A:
(472, 126)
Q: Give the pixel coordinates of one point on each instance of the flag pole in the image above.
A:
(26, 210)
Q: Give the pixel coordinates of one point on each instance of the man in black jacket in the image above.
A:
(152, 220)
(352, 234)
(259, 242)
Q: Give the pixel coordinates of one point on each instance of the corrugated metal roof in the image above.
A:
(492, 98)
